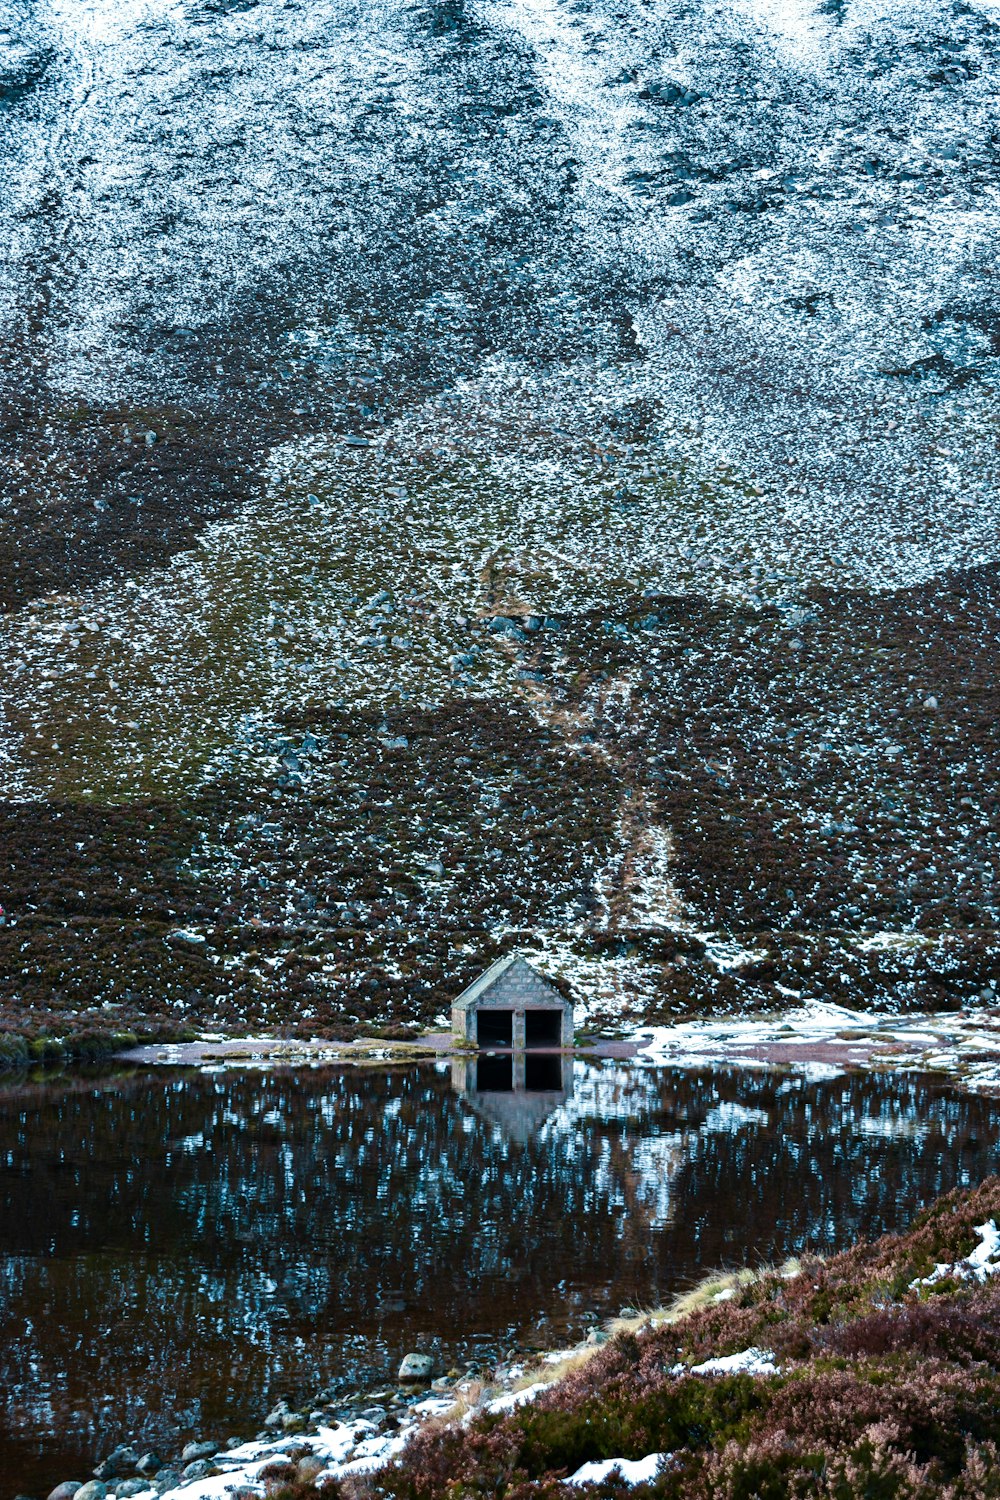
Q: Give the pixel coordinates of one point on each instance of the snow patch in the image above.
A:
(978, 1265)
(513, 1399)
(748, 1362)
(633, 1471)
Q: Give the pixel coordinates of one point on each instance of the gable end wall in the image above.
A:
(519, 989)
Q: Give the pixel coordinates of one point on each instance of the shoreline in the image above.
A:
(325, 1440)
(817, 1039)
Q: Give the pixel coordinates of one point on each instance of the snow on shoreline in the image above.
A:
(354, 1448)
(965, 1044)
(358, 1448)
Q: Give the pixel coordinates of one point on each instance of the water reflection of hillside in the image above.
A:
(177, 1243)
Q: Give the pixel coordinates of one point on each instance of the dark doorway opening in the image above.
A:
(543, 1075)
(495, 1075)
(495, 1028)
(542, 1028)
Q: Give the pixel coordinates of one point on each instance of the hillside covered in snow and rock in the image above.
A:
(490, 471)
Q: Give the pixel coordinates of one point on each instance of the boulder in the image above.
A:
(67, 1490)
(417, 1367)
(195, 1450)
(277, 1469)
(95, 1490)
(200, 1469)
(308, 1468)
(149, 1464)
(118, 1463)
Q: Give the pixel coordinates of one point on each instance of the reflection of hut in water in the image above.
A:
(515, 1090)
(511, 1005)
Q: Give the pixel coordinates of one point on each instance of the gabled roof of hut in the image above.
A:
(481, 986)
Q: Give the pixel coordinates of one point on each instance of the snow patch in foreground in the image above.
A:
(747, 1362)
(518, 1398)
(633, 1471)
(980, 1263)
(354, 1448)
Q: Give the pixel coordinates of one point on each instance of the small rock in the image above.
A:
(597, 1336)
(198, 1470)
(167, 1479)
(118, 1463)
(131, 1487)
(293, 1421)
(185, 935)
(308, 1468)
(150, 439)
(95, 1490)
(194, 1450)
(67, 1490)
(274, 1418)
(416, 1367)
(503, 625)
(930, 703)
(278, 1468)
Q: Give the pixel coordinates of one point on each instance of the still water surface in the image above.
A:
(179, 1250)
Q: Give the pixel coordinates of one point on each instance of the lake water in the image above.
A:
(180, 1249)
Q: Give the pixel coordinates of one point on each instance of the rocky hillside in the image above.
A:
(484, 473)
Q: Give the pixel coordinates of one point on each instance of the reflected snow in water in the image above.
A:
(179, 1250)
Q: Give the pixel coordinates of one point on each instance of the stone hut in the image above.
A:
(511, 1005)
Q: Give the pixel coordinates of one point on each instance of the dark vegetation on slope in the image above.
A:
(885, 1393)
(827, 777)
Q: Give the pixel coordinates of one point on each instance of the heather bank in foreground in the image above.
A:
(872, 1376)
